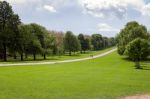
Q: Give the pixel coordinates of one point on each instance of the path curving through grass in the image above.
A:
(64, 61)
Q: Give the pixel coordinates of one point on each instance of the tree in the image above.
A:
(54, 44)
(15, 35)
(76, 44)
(138, 50)
(97, 41)
(131, 31)
(35, 47)
(48, 45)
(59, 42)
(25, 39)
(105, 42)
(7, 17)
(71, 43)
(43, 37)
(84, 42)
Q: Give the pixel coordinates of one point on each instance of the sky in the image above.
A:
(105, 17)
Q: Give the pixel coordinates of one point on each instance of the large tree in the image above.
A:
(131, 31)
(7, 18)
(25, 39)
(15, 35)
(138, 50)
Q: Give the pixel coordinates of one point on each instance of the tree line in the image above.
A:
(134, 41)
(18, 39)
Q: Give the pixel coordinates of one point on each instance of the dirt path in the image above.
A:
(137, 97)
(57, 62)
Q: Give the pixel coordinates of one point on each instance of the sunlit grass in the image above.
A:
(107, 77)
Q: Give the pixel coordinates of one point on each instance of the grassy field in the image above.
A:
(104, 78)
(77, 55)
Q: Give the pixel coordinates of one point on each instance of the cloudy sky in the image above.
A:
(106, 17)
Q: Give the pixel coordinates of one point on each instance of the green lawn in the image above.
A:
(77, 55)
(104, 78)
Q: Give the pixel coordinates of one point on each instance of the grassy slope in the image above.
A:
(58, 58)
(104, 78)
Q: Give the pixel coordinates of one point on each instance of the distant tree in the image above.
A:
(105, 42)
(82, 41)
(138, 50)
(48, 45)
(131, 31)
(54, 44)
(59, 37)
(76, 44)
(71, 43)
(25, 40)
(35, 47)
(97, 41)
(86, 44)
(111, 41)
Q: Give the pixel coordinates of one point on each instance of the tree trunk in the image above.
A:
(34, 56)
(26, 55)
(15, 56)
(137, 64)
(69, 53)
(84, 51)
(44, 56)
(22, 57)
(5, 52)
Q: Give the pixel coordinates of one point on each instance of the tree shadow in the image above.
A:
(145, 65)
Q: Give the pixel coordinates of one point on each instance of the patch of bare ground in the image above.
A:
(136, 97)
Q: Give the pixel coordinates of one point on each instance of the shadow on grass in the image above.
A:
(28, 60)
(145, 65)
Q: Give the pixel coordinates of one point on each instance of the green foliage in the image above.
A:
(84, 42)
(138, 49)
(71, 43)
(131, 31)
(18, 39)
(8, 24)
(97, 41)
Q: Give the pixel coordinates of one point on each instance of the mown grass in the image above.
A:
(66, 56)
(107, 77)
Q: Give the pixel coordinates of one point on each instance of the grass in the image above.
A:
(104, 78)
(57, 58)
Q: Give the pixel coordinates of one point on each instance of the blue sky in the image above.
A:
(106, 17)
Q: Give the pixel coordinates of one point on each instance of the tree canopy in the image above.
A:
(131, 31)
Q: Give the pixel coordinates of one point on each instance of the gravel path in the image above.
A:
(58, 62)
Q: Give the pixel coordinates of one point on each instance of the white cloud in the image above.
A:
(49, 8)
(97, 8)
(103, 27)
(21, 1)
(104, 8)
(146, 10)
(111, 8)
